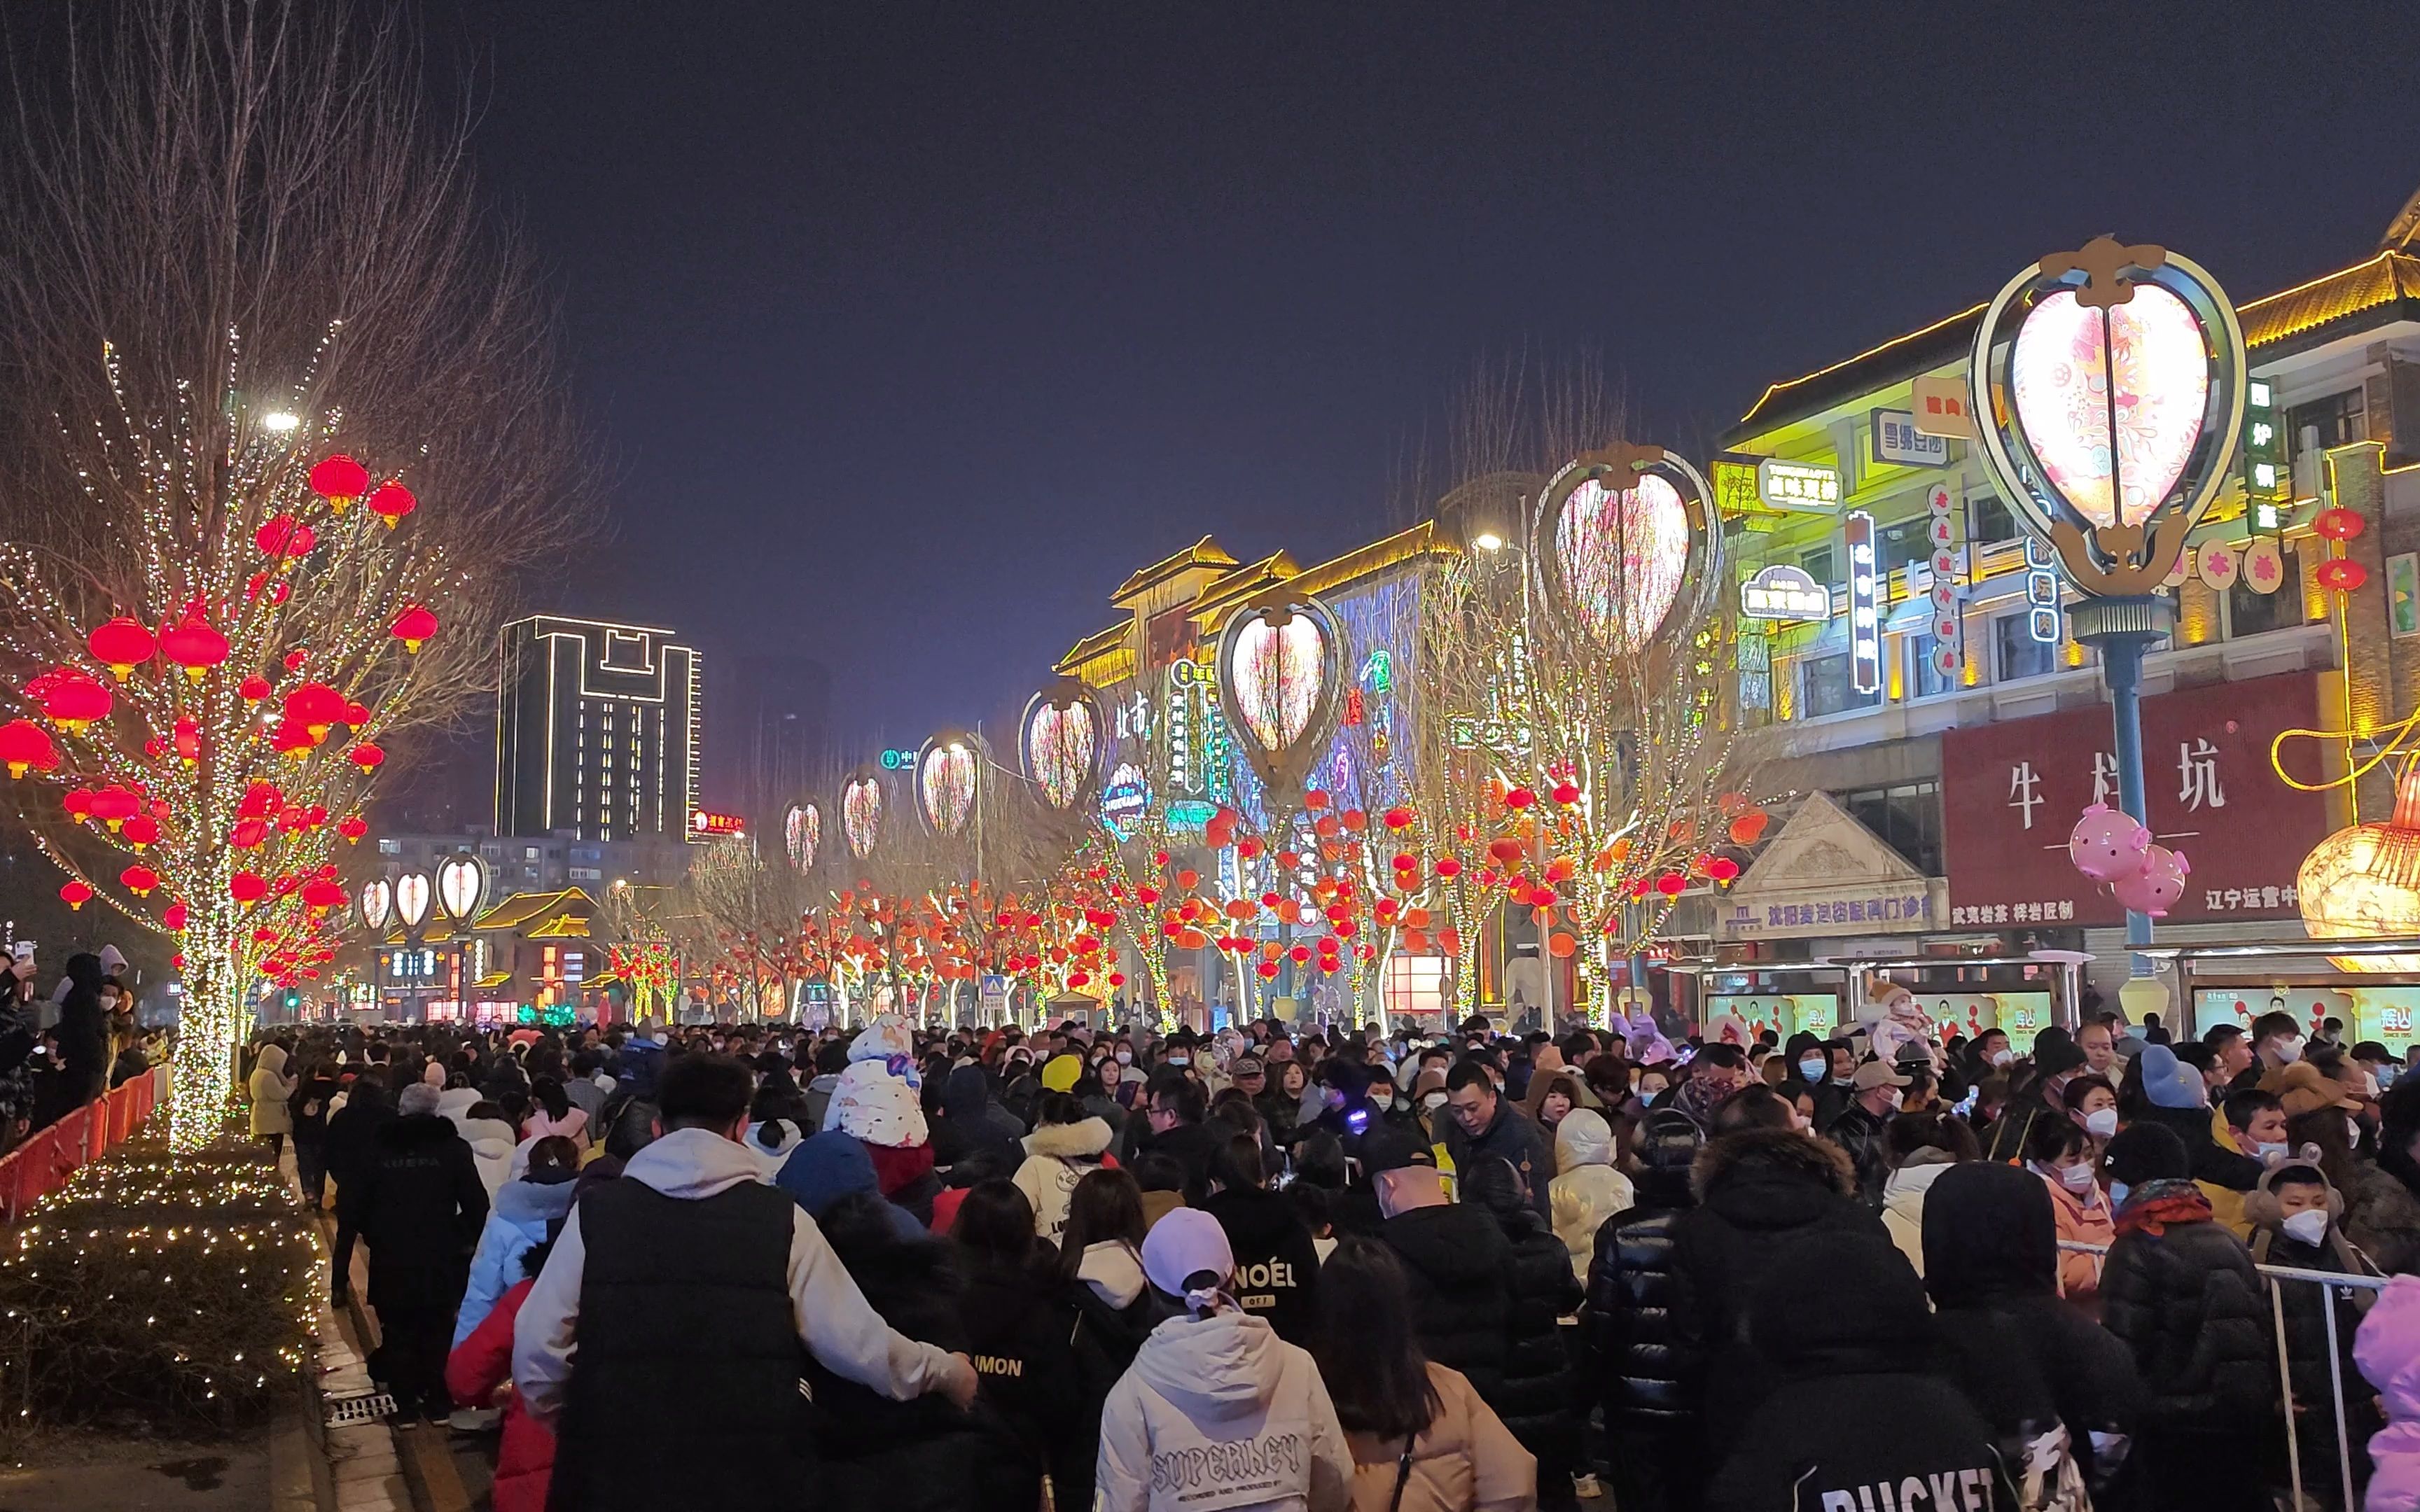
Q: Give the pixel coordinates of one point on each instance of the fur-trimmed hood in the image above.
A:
(1766, 1155)
(1080, 1140)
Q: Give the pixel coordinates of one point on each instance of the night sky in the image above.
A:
(908, 330)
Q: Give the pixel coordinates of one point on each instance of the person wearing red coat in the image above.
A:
(480, 1364)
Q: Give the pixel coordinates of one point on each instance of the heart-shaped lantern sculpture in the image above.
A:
(1281, 683)
(2107, 387)
(860, 813)
(377, 903)
(1622, 535)
(949, 771)
(1061, 743)
(803, 831)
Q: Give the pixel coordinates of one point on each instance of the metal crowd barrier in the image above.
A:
(2275, 1275)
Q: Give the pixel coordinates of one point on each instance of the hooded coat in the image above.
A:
(1757, 1190)
(1645, 1381)
(491, 1145)
(1220, 1413)
(421, 1207)
(1110, 1310)
(2022, 1355)
(825, 1167)
(1903, 1193)
(524, 1213)
(2188, 1304)
(1277, 1269)
(2387, 1348)
(1459, 1268)
(1585, 1190)
(1854, 1413)
(966, 1129)
(1056, 1156)
(270, 1090)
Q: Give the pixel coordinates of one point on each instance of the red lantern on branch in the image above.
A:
(139, 880)
(285, 538)
(25, 745)
(72, 698)
(195, 646)
(391, 503)
(121, 645)
(254, 688)
(414, 626)
(75, 894)
(247, 887)
(339, 480)
(139, 830)
(352, 827)
(315, 706)
(366, 756)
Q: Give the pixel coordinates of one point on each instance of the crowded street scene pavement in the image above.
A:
(1390, 758)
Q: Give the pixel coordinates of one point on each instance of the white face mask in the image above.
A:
(2076, 1178)
(2289, 1051)
(2001, 1057)
(2100, 1122)
(2117, 1191)
(1180, 1061)
(2268, 1153)
(1812, 1068)
(2309, 1227)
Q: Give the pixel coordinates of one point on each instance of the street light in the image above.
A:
(1488, 541)
(2107, 393)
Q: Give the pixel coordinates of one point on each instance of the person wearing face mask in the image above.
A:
(2092, 1105)
(2068, 1162)
(2175, 1097)
(1874, 1102)
(2276, 1043)
(2055, 1059)
(2295, 1216)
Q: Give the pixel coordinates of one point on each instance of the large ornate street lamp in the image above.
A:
(411, 896)
(1620, 537)
(2108, 392)
(1060, 739)
(949, 782)
(860, 811)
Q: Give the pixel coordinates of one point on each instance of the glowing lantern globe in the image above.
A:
(461, 887)
(414, 626)
(411, 891)
(1619, 535)
(948, 773)
(195, 646)
(25, 745)
(376, 902)
(247, 887)
(391, 503)
(1062, 743)
(803, 831)
(339, 480)
(2363, 881)
(315, 706)
(1279, 686)
(121, 645)
(861, 814)
(74, 698)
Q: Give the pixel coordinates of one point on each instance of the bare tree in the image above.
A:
(234, 243)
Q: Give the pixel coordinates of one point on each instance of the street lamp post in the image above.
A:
(411, 893)
(2107, 395)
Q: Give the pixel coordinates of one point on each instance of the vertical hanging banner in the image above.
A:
(1865, 605)
(1948, 631)
(2041, 590)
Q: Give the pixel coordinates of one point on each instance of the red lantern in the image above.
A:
(173, 916)
(414, 626)
(139, 830)
(75, 894)
(1447, 868)
(366, 756)
(254, 688)
(392, 501)
(324, 895)
(339, 480)
(247, 889)
(1519, 799)
(248, 833)
(25, 746)
(1722, 868)
(1671, 884)
(315, 706)
(352, 827)
(285, 538)
(1397, 818)
(1566, 793)
(2339, 524)
(121, 645)
(139, 880)
(1749, 827)
(73, 699)
(1505, 849)
(195, 646)
(115, 805)
(291, 739)
(2341, 575)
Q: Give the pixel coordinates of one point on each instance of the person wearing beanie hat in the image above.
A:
(1217, 1410)
(2182, 1292)
(1859, 1407)
(1061, 1072)
(2174, 1097)
(2055, 1059)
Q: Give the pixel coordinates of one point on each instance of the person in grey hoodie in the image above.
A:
(1217, 1412)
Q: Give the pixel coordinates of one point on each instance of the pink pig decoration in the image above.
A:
(2107, 845)
(2157, 887)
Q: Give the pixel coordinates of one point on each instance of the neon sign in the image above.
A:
(1785, 593)
(705, 823)
(1801, 487)
(1865, 605)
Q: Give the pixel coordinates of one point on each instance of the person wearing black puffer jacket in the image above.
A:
(1537, 1397)
(923, 1455)
(2182, 1292)
(1454, 1258)
(1633, 1366)
(1277, 1269)
(1757, 1189)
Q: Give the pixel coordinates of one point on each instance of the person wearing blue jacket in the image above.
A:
(524, 1214)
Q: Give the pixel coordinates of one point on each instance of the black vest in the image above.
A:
(687, 1383)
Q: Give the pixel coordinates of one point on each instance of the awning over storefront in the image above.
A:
(1826, 874)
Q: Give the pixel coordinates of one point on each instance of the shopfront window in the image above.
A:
(1829, 689)
(2015, 652)
(1992, 521)
(2333, 421)
(1907, 818)
(1924, 680)
(2250, 612)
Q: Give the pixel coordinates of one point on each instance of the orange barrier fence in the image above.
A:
(43, 1163)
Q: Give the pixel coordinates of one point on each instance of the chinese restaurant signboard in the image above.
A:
(2012, 791)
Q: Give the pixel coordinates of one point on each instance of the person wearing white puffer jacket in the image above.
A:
(1217, 1410)
(1585, 1190)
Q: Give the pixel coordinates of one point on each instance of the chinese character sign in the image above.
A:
(2012, 792)
(1865, 604)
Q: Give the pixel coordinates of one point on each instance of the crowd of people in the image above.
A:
(66, 1041)
(1886, 1271)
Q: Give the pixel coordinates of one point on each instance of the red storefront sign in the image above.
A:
(2011, 793)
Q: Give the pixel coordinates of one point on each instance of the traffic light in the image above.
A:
(293, 998)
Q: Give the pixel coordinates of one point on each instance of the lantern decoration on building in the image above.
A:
(803, 831)
(860, 813)
(374, 902)
(1620, 537)
(412, 895)
(1281, 686)
(121, 645)
(26, 746)
(949, 776)
(391, 503)
(339, 480)
(1063, 744)
(2363, 881)
(2107, 382)
(2340, 574)
(414, 627)
(190, 644)
(461, 887)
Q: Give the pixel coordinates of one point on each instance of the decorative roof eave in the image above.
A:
(1204, 552)
(1224, 593)
(2280, 322)
(1421, 540)
(1093, 647)
(518, 909)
